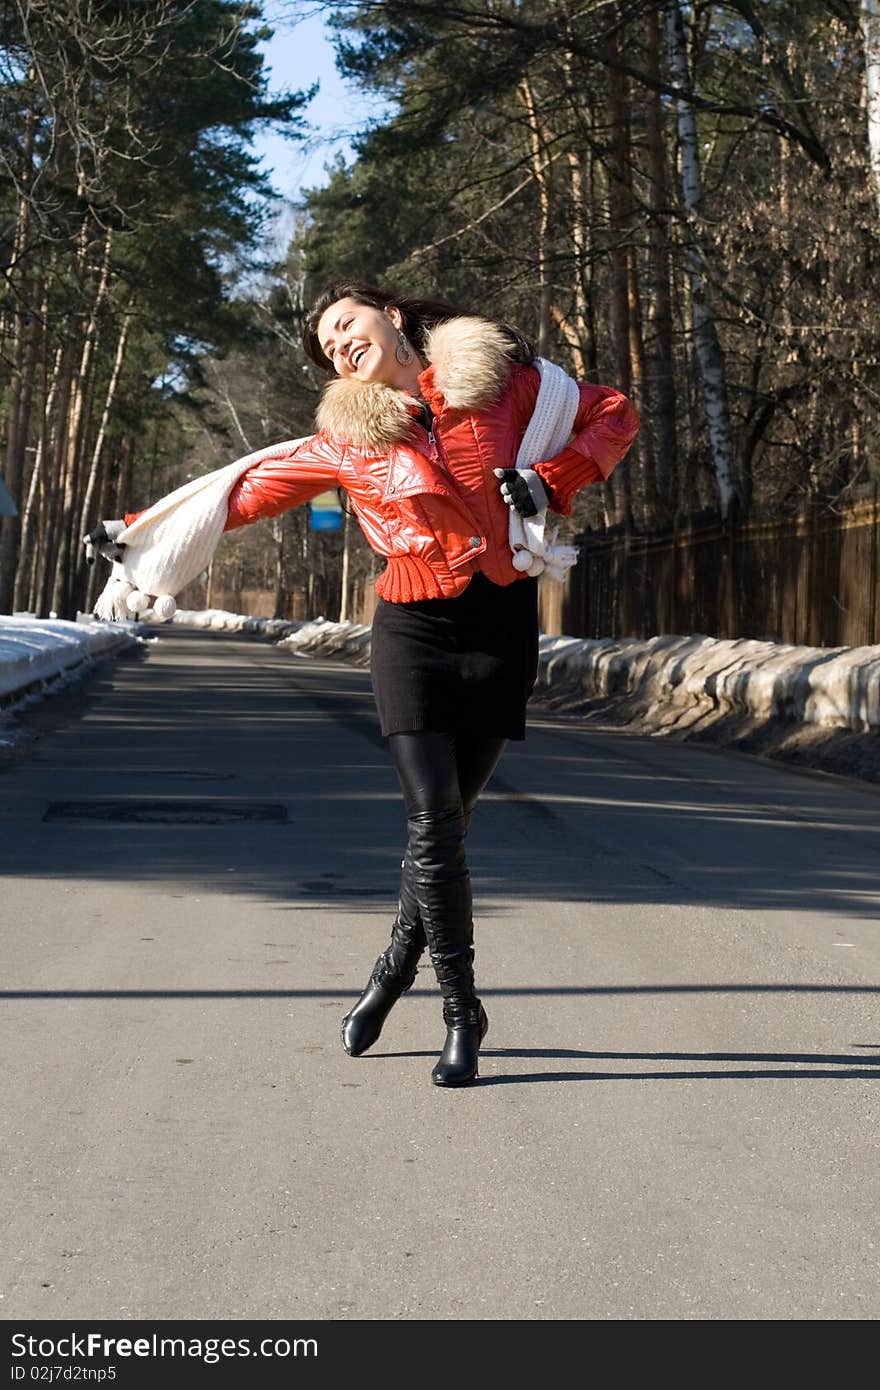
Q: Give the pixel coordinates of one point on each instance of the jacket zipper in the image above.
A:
(439, 457)
(437, 453)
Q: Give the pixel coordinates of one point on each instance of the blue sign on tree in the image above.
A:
(7, 506)
(325, 512)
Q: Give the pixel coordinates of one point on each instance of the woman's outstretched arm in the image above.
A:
(281, 477)
(279, 482)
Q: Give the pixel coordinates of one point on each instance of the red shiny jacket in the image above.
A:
(430, 503)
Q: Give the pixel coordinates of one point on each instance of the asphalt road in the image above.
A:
(678, 949)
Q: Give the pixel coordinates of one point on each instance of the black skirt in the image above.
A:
(465, 664)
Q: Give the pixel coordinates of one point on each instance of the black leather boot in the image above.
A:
(442, 887)
(392, 975)
(467, 1026)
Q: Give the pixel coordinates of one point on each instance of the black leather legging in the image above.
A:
(441, 776)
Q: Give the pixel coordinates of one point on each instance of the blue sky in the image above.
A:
(299, 54)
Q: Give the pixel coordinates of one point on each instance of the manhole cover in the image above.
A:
(170, 812)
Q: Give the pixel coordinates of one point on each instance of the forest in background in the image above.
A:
(679, 199)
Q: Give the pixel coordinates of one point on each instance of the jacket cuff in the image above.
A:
(565, 475)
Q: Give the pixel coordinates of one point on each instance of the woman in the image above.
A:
(423, 415)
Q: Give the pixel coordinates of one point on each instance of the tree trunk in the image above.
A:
(23, 359)
(653, 507)
(575, 328)
(24, 573)
(56, 448)
(619, 215)
(870, 13)
(33, 537)
(539, 171)
(344, 603)
(630, 350)
(579, 233)
(76, 434)
(579, 329)
(86, 518)
(278, 537)
(19, 430)
(706, 340)
(660, 365)
(123, 502)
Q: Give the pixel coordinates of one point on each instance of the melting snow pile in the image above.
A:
(37, 652)
(676, 682)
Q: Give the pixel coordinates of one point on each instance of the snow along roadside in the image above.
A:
(673, 683)
(38, 653)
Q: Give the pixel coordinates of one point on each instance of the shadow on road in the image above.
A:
(804, 1065)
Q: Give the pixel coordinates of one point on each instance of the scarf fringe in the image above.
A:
(111, 605)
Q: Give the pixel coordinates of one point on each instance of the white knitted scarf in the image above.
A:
(173, 541)
(534, 549)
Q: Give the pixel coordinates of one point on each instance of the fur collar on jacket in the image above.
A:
(469, 365)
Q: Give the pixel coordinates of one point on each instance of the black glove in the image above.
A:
(103, 541)
(524, 490)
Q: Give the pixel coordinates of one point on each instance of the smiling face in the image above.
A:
(361, 342)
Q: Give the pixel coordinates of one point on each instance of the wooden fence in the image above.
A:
(811, 579)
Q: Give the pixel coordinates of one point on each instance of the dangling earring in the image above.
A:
(404, 352)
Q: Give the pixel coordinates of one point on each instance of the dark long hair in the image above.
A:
(419, 316)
